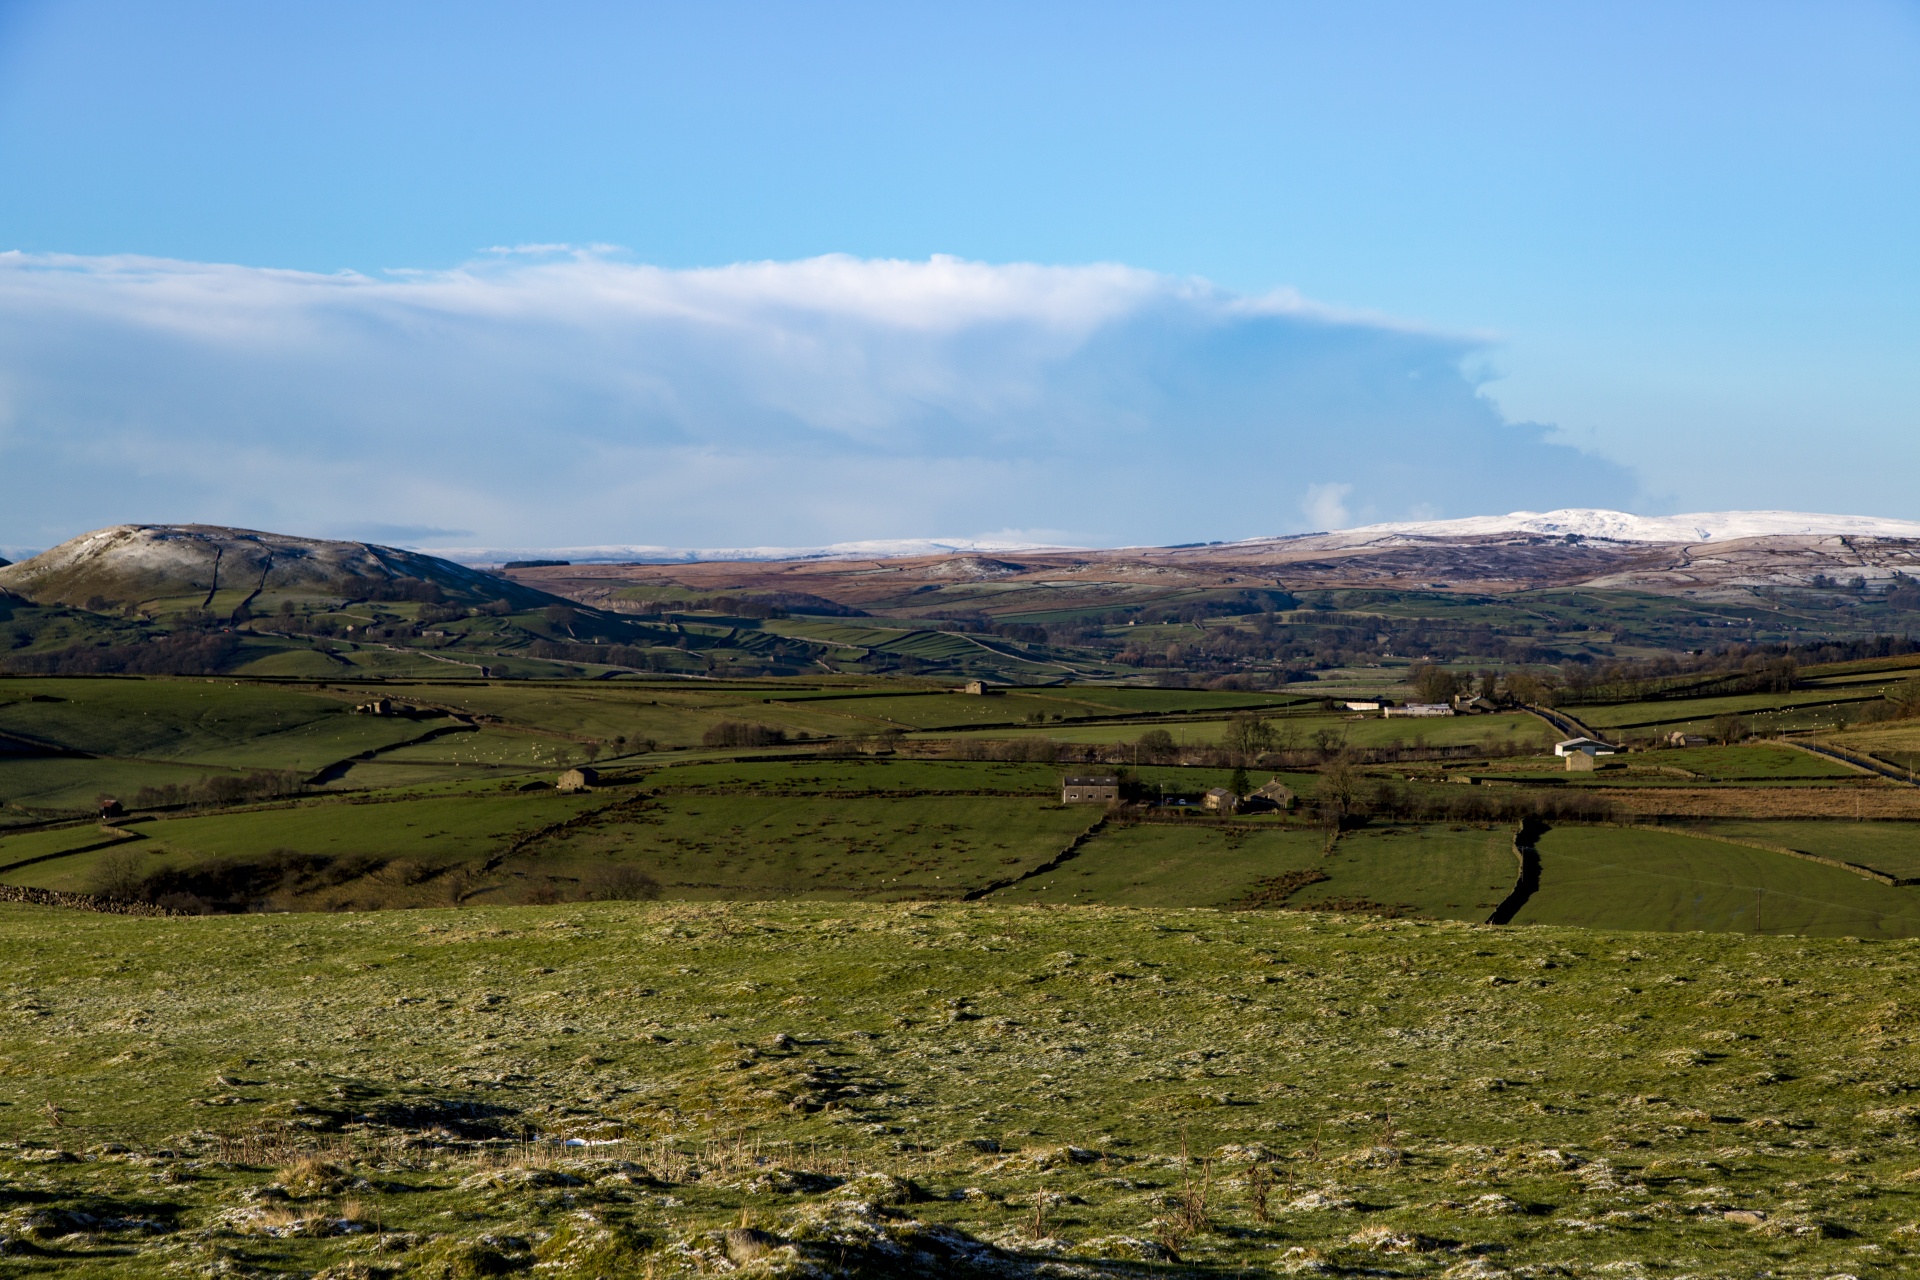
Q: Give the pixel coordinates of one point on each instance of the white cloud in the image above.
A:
(1326, 506)
(543, 397)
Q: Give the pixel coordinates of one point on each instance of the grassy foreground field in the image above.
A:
(947, 1090)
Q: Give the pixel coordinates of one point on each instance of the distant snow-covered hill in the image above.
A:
(879, 549)
(1616, 526)
(1621, 526)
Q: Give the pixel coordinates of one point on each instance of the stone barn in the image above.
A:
(1100, 789)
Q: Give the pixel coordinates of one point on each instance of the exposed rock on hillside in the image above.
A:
(210, 567)
(974, 569)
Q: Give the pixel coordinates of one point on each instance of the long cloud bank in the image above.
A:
(569, 398)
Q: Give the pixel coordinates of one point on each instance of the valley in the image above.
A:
(381, 955)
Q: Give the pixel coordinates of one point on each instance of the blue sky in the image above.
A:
(1647, 255)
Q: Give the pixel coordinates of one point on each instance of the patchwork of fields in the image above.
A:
(865, 998)
(248, 796)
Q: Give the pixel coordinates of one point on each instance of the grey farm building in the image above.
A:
(1098, 790)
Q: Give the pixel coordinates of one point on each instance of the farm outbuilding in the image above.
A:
(1276, 793)
(577, 780)
(1420, 709)
(1583, 746)
(1100, 789)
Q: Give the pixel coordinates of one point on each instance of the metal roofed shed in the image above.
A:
(1585, 746)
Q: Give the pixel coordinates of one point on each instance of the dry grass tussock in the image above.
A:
(984, 1089)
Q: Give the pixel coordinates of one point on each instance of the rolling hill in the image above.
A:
(168, 568)
(1259, 613)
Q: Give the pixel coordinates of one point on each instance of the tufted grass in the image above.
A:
(1421, 1097)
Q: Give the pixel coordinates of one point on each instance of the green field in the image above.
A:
(1504, 732)
(387, 841)
(738, 846)
(441, 792)
(1757, 761)
(72, 786)
(1767, 712)
(58, 842)
(1123, 701)
(1299, 730)
(1897, 742)
(671, 715)
(1431, 871)
(189, 720)
(284, 1094)
(1447, 872)
(936, 711)
(1170, 865)
(802, 775)
(1636, 879)
(1749, 764)
(1892, 847)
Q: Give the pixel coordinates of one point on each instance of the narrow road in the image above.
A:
(1858, 761)
(1564, 723)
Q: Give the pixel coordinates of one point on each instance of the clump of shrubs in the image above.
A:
(222, 886)
(223, 788)
(740, 733)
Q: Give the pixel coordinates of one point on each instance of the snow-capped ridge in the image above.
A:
(1623, 526)
(877, 549)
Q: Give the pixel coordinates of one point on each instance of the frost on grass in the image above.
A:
(682, 1089)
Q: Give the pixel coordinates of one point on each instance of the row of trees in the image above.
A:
(217, 789)
(189, 653)
(1345, 797)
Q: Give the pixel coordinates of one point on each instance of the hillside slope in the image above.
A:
(157, 567)
(1727, 570)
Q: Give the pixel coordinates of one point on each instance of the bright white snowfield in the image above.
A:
(1622, 526)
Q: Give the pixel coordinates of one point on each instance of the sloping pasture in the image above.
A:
(1620, 878)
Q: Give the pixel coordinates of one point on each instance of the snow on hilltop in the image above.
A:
(881, 549)
(1621, 526)
(1618, 526)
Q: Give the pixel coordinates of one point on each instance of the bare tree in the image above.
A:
(1432, 683)
(1729, 728)
(117, 875)
(1156, 746)
(1248, 734)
